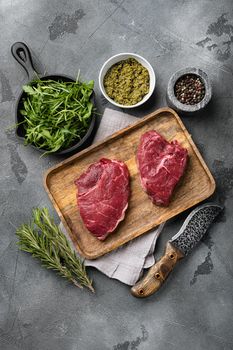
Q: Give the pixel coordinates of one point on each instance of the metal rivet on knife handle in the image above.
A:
(158, 273)
(191, 232)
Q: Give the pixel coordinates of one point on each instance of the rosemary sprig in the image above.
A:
(44, 240)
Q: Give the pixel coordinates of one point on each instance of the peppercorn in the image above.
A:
(189, 89)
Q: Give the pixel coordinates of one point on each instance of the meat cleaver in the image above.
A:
(192, 230)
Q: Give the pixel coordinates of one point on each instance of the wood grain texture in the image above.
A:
(142, 215)
(158, 273)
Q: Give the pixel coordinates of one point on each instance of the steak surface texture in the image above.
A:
(102, 197)
(161, 165)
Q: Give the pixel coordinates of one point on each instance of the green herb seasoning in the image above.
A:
(56, 114)
(127, 82)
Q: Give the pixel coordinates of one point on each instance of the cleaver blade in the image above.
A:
(180, 245)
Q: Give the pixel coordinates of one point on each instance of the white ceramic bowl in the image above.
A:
(123, 56)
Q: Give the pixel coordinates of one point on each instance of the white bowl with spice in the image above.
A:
(127, 80)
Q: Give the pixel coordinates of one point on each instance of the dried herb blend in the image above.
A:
(189, 89)
(127, 82)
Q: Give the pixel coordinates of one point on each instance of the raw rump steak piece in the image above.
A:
(161, 165)
(103, 193)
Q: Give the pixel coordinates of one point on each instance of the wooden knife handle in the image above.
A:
(158, 273)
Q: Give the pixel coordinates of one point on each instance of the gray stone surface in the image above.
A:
(40, 311)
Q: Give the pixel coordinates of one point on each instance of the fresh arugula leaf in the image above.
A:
(56, 114)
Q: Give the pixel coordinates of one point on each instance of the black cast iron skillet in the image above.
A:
(22, 54)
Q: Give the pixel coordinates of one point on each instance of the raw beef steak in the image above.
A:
(161, 165)
(103, 193)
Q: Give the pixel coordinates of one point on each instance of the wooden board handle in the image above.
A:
(158, 273)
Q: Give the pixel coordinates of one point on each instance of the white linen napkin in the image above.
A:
(126, 263)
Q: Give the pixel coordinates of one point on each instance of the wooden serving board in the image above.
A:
(142, 215)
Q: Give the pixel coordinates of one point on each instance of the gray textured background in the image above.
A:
(39, 310)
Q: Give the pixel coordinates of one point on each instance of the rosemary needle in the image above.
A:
(44, 240)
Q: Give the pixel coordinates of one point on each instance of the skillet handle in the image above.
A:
(22, 55)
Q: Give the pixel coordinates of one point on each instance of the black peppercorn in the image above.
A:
(189, 89)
